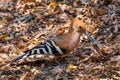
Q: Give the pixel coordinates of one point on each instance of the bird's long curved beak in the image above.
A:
(95, 46)
(89, 37)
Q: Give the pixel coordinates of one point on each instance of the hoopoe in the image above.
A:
(62, 43)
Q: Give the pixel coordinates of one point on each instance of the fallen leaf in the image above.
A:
(101, 11)
(107, 50)
(52, 5)
(28, 76)
(21, 45)
(71, 67)
(5, 56)
(5, 37)
(96, 68)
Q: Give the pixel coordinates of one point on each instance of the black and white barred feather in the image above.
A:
(48, 47)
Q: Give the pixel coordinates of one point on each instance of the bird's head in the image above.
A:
(78, 25)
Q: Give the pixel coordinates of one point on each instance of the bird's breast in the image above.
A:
(74, 41)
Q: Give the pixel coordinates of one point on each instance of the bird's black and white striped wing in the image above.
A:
(48, 47)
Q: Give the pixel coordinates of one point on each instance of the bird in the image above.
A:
(61, 44)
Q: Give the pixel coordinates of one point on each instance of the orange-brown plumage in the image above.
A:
(70, 40)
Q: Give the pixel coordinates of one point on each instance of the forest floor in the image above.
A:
(26, 23)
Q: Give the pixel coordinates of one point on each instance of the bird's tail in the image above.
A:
(21, 57)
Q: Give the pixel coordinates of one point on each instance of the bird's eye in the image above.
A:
(80, 27)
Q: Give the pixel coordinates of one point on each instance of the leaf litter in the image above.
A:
(26, 23)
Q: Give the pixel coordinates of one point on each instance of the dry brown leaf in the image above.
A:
(21, 45)
(97, 68)
(101, 11)
(5, 37)
(2, 37)
(5, 56)
(28, 76)
(106, 50)
(52, 5)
